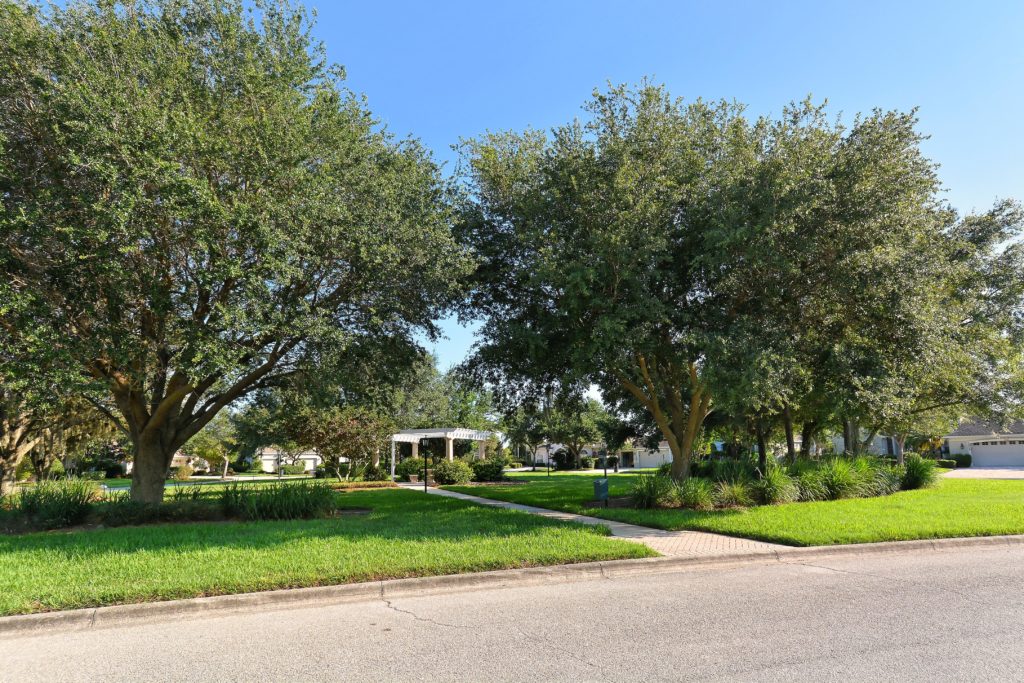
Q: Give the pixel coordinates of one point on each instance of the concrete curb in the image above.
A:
(101, 617)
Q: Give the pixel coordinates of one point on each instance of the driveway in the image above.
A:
(954, 615)
(986, 473)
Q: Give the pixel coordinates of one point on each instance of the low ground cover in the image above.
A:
(953, 508)
(404, 534)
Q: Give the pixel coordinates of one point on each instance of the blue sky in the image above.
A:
(444, 70)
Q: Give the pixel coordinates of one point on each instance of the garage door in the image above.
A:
(998, 455)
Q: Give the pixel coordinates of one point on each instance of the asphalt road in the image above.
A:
(952, 615)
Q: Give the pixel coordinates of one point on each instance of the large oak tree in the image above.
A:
(204, 209)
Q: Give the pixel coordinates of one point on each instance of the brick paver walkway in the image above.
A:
(675, 543)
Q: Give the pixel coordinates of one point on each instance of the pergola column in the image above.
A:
(415, 449)
(449, 447)
(393, 456)
(481, 450)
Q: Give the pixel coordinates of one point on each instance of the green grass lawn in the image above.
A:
(956, 507)
(406, 534)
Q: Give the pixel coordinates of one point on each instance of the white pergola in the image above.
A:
(449, 434)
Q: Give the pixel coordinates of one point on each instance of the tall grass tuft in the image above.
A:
(841, 479)
(59, 503)
(733, 494)
(775, 486)
(653, 491)
(696, 493)
(918, 473)
(285, 501)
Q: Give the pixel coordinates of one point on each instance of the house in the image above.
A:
(989, 445)
(880, 444)
(271, 457)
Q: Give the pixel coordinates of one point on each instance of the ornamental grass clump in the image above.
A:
(731, 494)
(696, 493)
(284, 501)
(918, 473)
(653, 491)
(775, 486)
(56, 504)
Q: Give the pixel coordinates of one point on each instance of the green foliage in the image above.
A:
(372, 473)
(919, 473)
(452, 472)
(409, 466)
(586, 463)
(183, 473)
(563, 460)
(696, 493)
(238, 214)
(653, 491)
(56, 504)
(488, 470)
(301, 500)
(297, 468)
(949, 464)
(57, 470)
(962, 459)
(841, 479)
(120, 510)
(775, 486)
(737, 493)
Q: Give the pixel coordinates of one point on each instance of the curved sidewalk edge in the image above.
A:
(100, 617)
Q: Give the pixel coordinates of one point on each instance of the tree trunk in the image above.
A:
(762, 448)
(806, 438)
(787, 422)
(7, 479)
(150, 471)
(900, 439)
(224, 472)
(847, 436)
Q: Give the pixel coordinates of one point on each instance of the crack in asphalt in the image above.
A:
(389, 605)
(965, 596)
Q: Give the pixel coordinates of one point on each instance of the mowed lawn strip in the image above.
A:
(406, 534)
(954, 508)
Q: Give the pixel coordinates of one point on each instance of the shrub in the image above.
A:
(452, 472)
(696, 493)
(297, 468)
(733, 493)
(57, 471)
(586, 462)
(613, 461)
(183, 473)
(409, 466)
(112, 469)
(515, 464)
(488, 470)
(962, 459)
(378, 473)
(93, 475)
(283, 501)
(243, 465)
(55, 504)
(918, 473)
(776, 486)
(948, 464)
(665, 469)
(563, 460)
(653, 491)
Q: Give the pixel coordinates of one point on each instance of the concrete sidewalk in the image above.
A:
(669, 543)
(986, 473)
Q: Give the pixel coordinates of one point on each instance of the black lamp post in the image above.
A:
(423, 445)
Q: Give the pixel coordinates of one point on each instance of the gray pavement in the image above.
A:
(935, 616)
(670, 543)
(986, 473)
